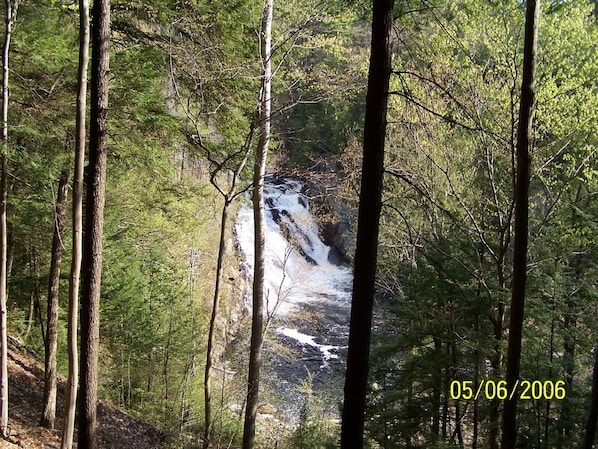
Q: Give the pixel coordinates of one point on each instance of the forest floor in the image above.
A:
(26, 385)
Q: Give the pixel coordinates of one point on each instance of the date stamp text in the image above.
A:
(497, 389)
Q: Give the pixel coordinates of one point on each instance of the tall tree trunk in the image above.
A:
(49, 401)
(496, 357)
(436, 393)
(567, 411)
(3, 299)
(34, 272)
(165, 368)
(524, 137)
(72, 383)
(212, 330)
(11, 13)
(566, 404)
(228, 197)
(495, 360)
(257, 322)
(94, 224)
(30, 315)
(476, 379)
(370, 204)
(592, 418)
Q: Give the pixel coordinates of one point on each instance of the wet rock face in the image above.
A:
(332, 233)
(315, 197)
(332, 236)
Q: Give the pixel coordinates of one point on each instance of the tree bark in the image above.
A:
(370, 204)
(49, 402)
(590, 431)
(11, 13)
(3, 299)
(524, 137)
(257, 322)
(212, 330)
(94, 223)
(77, 252)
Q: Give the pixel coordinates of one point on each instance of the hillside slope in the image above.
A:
(116, 428)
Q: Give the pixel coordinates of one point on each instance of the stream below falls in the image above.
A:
(307, 296)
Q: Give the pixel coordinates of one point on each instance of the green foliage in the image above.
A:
(447, 230)
(154, 284)
(188, 70)
(315, 428)
(320, 83)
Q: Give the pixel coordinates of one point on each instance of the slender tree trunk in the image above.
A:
(436, 394)
(165, 370)
(370, 205)
(476, 379)
(495, 360)
(11, 13)
(30, 315)
(49, 401)
(36, 288)
(257, 322)
(569, 324)
(72, 383)
(228, 197)
(592, 418)
(94, 224)
(550, 362)
(212, 330)
(3, 299)
(524, 137)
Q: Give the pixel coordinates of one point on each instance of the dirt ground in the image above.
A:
(116, 428)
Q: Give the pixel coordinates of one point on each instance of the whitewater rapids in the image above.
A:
(307, 296)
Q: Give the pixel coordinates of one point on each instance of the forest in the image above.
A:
(433, 163)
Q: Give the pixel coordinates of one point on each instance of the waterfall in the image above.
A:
(307, 295)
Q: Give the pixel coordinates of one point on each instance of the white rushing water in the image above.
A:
(308, 295)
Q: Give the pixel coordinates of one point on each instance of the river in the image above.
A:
(307, 296)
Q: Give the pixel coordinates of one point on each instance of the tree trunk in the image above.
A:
(3, 311)
(212, 330)
(524, 136)
(566, 404)
(165, 370)
(436, 394)
(590, 432)
(495, 360)
(370, 204)
(49, 401)
(72, 383)
(94, 223)
(11, 13)
(30, 316)
(257, 322)
(34, 272)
